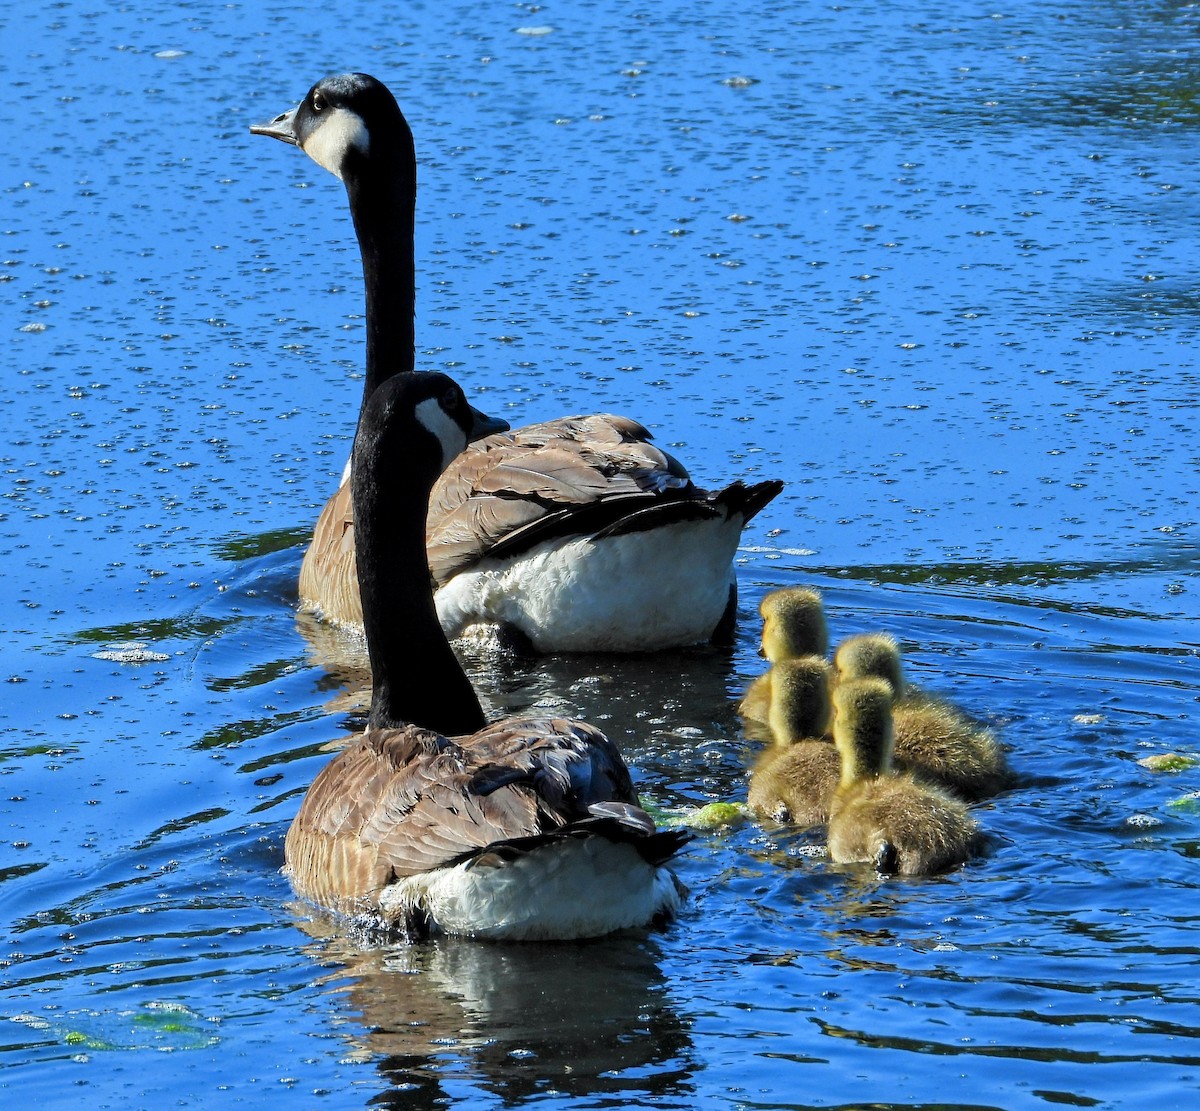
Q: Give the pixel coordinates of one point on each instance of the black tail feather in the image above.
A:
(638, 512)
(655, 848)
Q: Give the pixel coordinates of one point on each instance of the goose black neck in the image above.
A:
(383, 194)
(415, 676)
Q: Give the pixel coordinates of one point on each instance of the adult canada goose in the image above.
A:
(933, 739)
(794, 779)
(575, 534)
(433, 820)
(793, 625)
(879, 814)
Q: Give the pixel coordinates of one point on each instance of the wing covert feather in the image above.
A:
(398, 802)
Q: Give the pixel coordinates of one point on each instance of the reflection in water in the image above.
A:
(346, 683)
(518, 1019)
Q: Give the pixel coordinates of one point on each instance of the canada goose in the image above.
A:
(933, 739)
(793, 625)
(879, 814)
(574, 534)
(794, 779)
(432, 819)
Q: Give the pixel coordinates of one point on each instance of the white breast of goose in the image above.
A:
(577, 887)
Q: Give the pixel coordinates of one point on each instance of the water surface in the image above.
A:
(934, 269)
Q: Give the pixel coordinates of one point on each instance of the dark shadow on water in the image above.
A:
(263, 579)
(1143, 305)
(191, 626)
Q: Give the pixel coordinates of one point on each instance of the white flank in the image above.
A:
(640, 592)
(573, 888)
(340, 131)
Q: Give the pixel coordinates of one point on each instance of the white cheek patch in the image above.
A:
(447, 430)
(339, 132)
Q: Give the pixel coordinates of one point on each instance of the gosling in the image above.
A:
(795, 777)
(793, 625)
(879, 814)
(933, 739)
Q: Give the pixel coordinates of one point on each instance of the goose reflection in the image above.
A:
(346, 684)
(518, 1020)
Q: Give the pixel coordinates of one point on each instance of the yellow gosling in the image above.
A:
(933, 739)
(793, 625)
(881, 815)
(794, 779)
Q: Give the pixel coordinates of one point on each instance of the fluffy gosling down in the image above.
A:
(793, 625)
(933, 739)
(795, 778)
(881, 815)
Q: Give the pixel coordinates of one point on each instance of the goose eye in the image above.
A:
(451, 400)
(318, 102)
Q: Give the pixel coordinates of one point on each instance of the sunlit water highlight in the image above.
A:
(934, 269)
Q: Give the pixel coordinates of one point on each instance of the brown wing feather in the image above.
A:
(500, 486)
(511, 480)
(329, 572)
(398, 802)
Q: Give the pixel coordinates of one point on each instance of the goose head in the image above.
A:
(423, 419)
(862, 728)
(345, 122)
(793, 624)
(351, 125)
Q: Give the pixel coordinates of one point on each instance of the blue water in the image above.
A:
(934, 269)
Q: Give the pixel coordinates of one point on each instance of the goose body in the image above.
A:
(538, 531)
(500, 834)
(569, 533)
(794, 779)
(432, 820)
(881, 815)
(933, 739)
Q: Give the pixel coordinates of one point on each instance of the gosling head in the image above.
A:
(793, 624)
(799, 699)
(862, 728)
(345, 122)
(870, 656)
